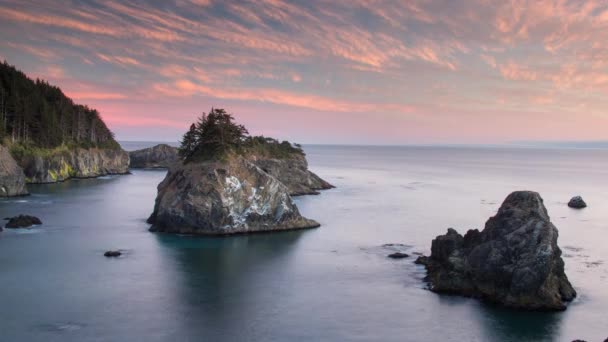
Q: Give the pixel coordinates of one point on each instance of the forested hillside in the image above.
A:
(35, 113)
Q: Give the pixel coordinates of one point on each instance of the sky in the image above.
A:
(321, 71)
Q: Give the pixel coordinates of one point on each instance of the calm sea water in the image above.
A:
(334, 283)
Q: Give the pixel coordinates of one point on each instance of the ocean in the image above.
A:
(334, 283)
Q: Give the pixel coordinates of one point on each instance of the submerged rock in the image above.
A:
(62, 165)
(398, 255)
(112, 254)
(161, 156)
(515, 261)
(294, 173)
(577, 203)
(224, 197)
(12, 178)
(22, 221)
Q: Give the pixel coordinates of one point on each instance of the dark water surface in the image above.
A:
(328, 284)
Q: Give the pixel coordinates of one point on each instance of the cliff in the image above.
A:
(60, 165)
(515, 261)
(160, 156)
(224, 197)
(12, 178)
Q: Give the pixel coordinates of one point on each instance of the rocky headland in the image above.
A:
(61, 165)
(12, 178)
(161, 156)
(514, 261)
(224, 197)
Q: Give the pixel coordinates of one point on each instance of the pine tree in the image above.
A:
(188, 143)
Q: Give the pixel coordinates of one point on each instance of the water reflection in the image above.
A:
(221, 292)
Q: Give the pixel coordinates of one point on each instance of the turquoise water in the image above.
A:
(328, 284)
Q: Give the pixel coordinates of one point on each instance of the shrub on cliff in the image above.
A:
(216, 133)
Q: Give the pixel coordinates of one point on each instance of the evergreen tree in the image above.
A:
(188, 143)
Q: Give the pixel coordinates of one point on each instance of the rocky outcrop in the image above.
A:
(223, 197)
(158, 157)
(22, 221)
(294, 173)
(12, 178)
(77, 163)
(515, 261)
(577, 202)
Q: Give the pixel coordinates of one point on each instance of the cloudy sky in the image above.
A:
(352, 71)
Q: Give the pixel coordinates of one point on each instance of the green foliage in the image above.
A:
(38, 114)
(216, 134)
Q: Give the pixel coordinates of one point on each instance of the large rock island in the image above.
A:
(224, 197)
(515, 261)
(217, 187)
(161, 156)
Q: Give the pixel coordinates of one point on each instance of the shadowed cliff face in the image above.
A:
(77, 163)
(161, 156)
(294, 173)
(227, 197)
(12, 179)
(515, 261)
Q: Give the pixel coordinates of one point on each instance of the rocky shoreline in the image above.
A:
(77, 163)
(12, 178)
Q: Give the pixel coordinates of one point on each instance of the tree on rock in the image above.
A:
(214, 134)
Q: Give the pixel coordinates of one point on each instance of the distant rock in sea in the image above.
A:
(577, 202)
(220, 197)
(22, 221)
(398, 255)
(12, 178)
(515, 261)
(161, 156)
(112, 254)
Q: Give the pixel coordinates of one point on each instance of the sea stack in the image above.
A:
(216, 188)
(515, 261)
(224, 197)
(161, 156)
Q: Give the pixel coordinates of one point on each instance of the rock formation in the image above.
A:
(294, 173)
(577, 202)
(223, 197)
(76, 163)
(22, 221)
(515, 261)
(12, 178)
(160, 156)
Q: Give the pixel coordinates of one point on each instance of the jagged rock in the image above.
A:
(515, 261)
(161, 156)
(22, 221)
(12, 178)
(77, 163)
(294, 173)
(112, 254)
(223, 197)
(398, 255)
(577, 203)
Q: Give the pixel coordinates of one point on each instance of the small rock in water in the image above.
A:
(22, 221)
(398, 255)
(577, 203)
(112, 254)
